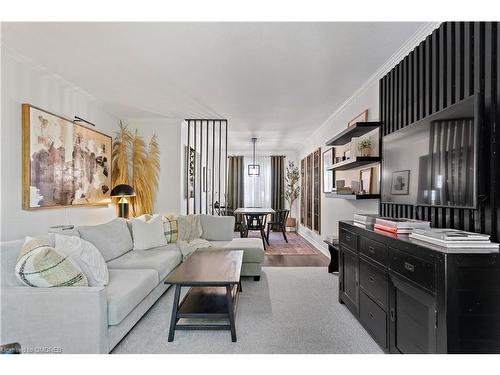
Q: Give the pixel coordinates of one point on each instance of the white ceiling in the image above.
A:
(276, 81)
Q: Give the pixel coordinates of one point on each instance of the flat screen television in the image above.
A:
(433, 162)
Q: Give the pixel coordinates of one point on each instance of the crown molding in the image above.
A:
(417, 37)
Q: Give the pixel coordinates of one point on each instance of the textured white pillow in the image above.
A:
(87, 256)
(148, 234)
(189, 227)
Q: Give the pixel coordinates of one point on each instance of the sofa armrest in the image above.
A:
(217, 228)
(55, 320)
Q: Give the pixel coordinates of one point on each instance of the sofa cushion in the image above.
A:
(148, 233)
(9, 251)
(86, 255)
(126, 289)
(112, 239)
(252, 247)
(217, 228)
(162, 259)
(41, 265)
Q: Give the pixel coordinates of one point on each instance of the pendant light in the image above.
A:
(253, 169)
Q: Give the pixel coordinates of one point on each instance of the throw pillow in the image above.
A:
(170, 228)
(148, 234)
(40, 265)
(189, 227)
(87, 256)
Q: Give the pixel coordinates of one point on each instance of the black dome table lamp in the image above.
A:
(123, 191)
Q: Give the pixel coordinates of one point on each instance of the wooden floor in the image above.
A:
(309, 260)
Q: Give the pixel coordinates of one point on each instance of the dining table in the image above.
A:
(254, 211)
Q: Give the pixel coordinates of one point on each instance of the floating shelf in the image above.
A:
(352, 196)
(354, 163)
(356, 130)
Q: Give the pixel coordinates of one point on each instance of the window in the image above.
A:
(258, 188)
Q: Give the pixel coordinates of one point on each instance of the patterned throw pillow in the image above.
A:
(170, 228)
(40, 265)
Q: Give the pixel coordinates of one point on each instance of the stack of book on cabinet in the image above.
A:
(454, 239)
(400, 226)
(364, 220)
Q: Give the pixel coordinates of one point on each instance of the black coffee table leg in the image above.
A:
(173, 319)
(230, 309)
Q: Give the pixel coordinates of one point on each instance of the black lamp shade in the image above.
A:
(122, 190)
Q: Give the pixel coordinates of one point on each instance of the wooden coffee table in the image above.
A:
(214, 280)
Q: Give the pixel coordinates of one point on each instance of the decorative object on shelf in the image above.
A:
(362, 117)
(339, 184)
(347, 155)
(400, 182)
(253, 169)
(338, 159)
(292, 189)
(327, 174)
(345, 190)
(130, 153)
(365, 180)
(64, 164)
(123, 191)
(365, 147)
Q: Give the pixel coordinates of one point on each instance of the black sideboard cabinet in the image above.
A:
(417, 298)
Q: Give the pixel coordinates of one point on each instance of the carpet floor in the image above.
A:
(291, 310)
(296, 245)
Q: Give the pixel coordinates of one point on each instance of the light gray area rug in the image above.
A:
(290, 310)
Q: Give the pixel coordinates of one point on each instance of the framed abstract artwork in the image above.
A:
(64, 164)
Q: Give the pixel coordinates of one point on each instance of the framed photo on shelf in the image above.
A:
(400, 182)
(362, 117)
(365, 180)
(327, 174)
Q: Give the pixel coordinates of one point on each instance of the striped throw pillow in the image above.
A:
(170, 228)
(40, 265)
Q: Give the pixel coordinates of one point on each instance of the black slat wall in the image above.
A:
(456, 61)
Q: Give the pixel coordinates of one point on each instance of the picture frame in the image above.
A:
(362, 117)
(400, 184)
(328, 174)
(64, 164)
(365, 180)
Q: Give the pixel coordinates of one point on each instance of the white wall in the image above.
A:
(333, 210)
(168, 132)
(25, 83)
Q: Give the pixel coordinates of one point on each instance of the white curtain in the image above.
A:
(258, 188)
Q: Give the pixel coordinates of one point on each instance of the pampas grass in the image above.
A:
(144, 167)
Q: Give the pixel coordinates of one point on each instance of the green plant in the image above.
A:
(365, 143)
(292, 188)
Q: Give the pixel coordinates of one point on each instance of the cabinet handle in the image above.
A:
(392, 314)
(371, 279)
(348, 238)
(410, 267)
(371, 315)
(371, 249)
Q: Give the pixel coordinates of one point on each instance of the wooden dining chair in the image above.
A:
(278, 223)
(256, 222)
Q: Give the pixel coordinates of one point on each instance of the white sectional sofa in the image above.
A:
(95, 319)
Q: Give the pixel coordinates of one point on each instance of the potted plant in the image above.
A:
(292, 190)
(365, 146)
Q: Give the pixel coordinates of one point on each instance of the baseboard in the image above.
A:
(323, 247)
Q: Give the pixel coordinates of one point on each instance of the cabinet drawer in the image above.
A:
(348, 239)
(414, 269)
(373, 250)
(373, 318)
(373, 281)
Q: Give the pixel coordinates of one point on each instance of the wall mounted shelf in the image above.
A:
(353, 163)
(352, 196)
(356, 130)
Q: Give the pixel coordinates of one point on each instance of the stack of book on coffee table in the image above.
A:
(400, 226)
(364, 220)
(454, 239)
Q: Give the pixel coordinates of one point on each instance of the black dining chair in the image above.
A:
(278, 223)
(256, 222)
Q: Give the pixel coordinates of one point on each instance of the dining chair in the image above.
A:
(256, 222)
(278, 223)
